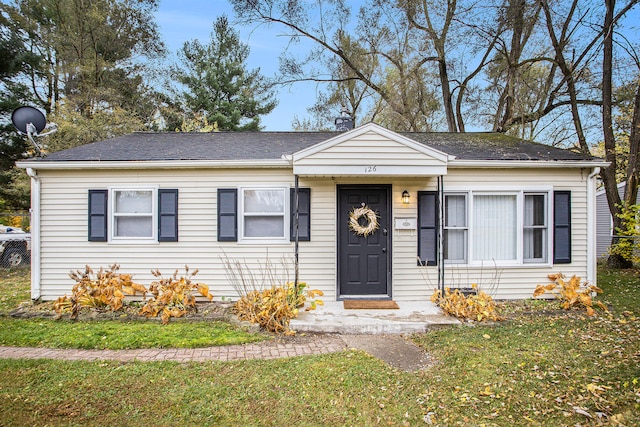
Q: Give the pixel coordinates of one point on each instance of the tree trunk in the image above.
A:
(446, 95)
(633, 168)
(609, 174)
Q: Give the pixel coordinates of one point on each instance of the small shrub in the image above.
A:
(103, 290)
(274, 308)
(627, 245)
(478, 307)
(571, 293)
(173, 296)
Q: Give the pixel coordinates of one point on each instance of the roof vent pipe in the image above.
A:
(345, 122)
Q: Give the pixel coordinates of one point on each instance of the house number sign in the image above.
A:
(370, 169)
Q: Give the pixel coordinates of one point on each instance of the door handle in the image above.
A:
(385, 231)
(384, 250)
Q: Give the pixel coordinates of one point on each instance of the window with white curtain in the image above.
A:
(506, 227)
(495, 227)
(455, 228)
(133, 214)
(264, 214)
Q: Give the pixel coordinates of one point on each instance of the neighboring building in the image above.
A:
(604, 221)
(475, 208)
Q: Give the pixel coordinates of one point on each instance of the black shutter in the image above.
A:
(562, 227)
(227, 215)
(428, 227)
(167, 215)
(304, 214)
(98, 215)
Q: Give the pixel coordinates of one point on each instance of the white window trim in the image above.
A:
(465, 228)
(285, 239)
(153, 239)
(547, 222)
(519, 193)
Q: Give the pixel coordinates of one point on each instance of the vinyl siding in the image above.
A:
(369, 148)
(65, 246)
(513, 282)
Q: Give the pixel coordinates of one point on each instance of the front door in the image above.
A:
(363, 255)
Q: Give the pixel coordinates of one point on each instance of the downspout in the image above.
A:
(591, 227)
(440, 261)
(35, 233)
(296, 232)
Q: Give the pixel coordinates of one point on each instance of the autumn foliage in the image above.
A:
(173, 296)
(571, 293)
(105, 289)
(479, 306)
(273, 308)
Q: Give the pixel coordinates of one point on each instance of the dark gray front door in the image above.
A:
(363, 262)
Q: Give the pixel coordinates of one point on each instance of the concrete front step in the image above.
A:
(411, 317)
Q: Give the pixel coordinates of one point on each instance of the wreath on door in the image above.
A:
(363, 212)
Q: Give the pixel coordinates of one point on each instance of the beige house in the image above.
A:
(426, 210)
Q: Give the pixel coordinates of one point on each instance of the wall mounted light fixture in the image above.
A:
(405, 197)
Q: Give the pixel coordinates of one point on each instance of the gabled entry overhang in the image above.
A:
(370, 150)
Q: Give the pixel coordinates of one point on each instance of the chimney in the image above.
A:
(344, 122)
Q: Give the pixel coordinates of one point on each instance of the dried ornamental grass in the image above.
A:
(363, 212)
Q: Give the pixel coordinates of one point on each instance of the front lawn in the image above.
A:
(541, 367)
(105, 334)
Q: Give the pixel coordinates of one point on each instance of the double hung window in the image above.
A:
(535, 240)
(264, 214)
(133, 214)
(455, 228)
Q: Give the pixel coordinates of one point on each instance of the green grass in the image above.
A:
(106, 334)
(621, 289)
(14, 287)
(542, 367)
(117, 335)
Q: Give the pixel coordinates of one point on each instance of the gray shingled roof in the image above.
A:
(149, 146)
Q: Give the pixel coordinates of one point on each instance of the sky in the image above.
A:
(183, 20)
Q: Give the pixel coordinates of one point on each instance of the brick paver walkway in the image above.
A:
(262, 350)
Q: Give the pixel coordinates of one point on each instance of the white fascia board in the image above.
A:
(162, 164)
(368, 171)
(372, 127)
(508, 164)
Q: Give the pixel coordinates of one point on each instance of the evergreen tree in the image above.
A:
(14, 60)
(217, 83)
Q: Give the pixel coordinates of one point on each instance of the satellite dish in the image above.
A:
(22, 117)
(31, 121)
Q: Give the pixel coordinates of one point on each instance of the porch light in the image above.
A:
(405, 197)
